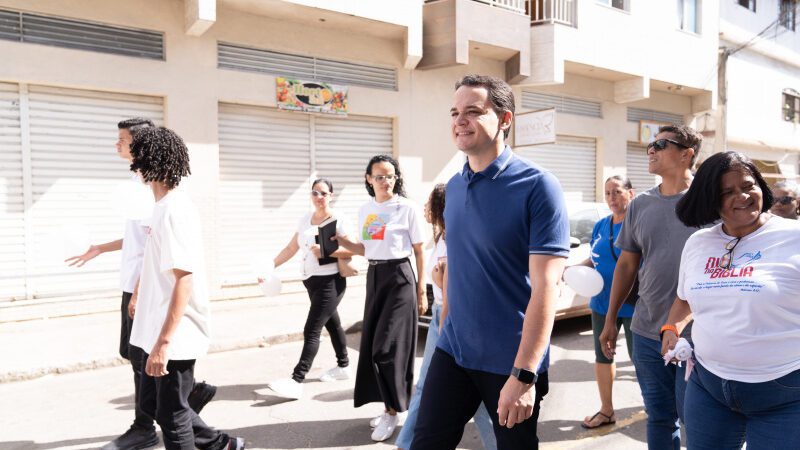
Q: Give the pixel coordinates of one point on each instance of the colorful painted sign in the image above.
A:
(311, 96)
(648, 130)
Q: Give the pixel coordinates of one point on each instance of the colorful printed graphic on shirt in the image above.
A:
(374, 227)
(739, 276)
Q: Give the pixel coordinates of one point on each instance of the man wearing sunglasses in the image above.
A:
(653, 236)
(786, 204)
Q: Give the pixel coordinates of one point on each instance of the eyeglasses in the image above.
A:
(661, 144)
(727, 258)
(316, 193)
(785, 200)
(382, 178)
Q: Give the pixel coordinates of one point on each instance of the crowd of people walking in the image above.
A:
(710, 257)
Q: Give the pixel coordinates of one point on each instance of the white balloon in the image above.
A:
(271, 286)
(132, 200)
(585, 281)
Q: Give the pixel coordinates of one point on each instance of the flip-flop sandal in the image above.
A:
(609, 420)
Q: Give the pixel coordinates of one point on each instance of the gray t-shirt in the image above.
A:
(651, 228)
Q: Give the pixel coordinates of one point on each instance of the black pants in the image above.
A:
(389, 337)
(134, 354)
(325, 293)
(166, 399)
(451, 396)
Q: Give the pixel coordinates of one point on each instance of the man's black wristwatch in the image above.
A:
(524, 375)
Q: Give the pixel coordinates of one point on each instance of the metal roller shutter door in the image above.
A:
(573, 160)
(343, 148)
(265, 165)
(74, 167)
(12, 203)
(636, 162)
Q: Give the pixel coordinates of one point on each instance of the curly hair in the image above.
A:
(436, 201)
(398, 184)
(159, 154)
(135, 124)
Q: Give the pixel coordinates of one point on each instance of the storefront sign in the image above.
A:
(536, 127)
(648, 131)
(311, 96)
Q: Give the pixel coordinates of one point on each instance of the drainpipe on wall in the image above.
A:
(721, 132)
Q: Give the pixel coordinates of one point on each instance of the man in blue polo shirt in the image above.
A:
(507, 240)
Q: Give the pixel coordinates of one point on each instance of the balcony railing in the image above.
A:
(517, 6)
(553, 11)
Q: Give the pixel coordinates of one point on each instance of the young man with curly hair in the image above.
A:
(172, 316)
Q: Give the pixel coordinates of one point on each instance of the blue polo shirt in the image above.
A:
(494, 220)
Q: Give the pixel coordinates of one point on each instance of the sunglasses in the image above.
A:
(382, 178)
(727, 258)
(316, 193)
(661, 144)
(785, 200)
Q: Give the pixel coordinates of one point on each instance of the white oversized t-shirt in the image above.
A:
(175, 242)
(306, 238)
(133, 248)
(439, 252)
(389, 229)
(746, 319)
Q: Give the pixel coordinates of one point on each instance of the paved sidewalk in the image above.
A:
(34, 348)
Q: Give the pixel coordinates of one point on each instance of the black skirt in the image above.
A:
(389, 337)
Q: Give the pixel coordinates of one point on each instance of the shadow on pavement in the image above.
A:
(630, 422)
(90, 443)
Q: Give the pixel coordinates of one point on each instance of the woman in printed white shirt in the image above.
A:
(391, 230)
(325, 286)
(740, 281)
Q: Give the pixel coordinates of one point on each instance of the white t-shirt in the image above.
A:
(389, 229)
(439, 252)
(746, 319)
(132, 248)
(306, 238)
(175, 242)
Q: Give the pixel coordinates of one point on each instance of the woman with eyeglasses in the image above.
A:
(618, 195)
(740, 281)
(325, 287)
(786, 204)
(391, 231)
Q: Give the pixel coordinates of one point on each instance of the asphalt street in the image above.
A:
(86, 409)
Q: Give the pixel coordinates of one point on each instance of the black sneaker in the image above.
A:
(135, 438)
(201, 394)
(235, 443)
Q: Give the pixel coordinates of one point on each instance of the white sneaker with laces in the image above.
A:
(287, 387)
(385, 428)
(335, 374)
(376, 420)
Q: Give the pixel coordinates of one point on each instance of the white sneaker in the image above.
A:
(376, 420)
(335, 374)
(385, 428)
(287, 387)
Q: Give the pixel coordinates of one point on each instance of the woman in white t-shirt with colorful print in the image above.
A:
(390, 233)
(325, 287)
(740, 281)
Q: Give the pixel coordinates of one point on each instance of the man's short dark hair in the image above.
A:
(701, 203)
(499, 92)
(160, 155)
(135, 124)
(687, 136)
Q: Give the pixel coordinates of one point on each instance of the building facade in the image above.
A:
(760, 45)
(210, 69)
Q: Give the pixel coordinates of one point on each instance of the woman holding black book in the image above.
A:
(390, 233)
(325, 286)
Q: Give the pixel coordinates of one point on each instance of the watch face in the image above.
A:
(523, 375)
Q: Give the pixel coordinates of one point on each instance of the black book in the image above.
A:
(327, 230)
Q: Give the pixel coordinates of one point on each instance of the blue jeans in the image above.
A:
(482, 419)
(721, 414)
(663, 388)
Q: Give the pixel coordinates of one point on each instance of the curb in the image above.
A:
(264, 341)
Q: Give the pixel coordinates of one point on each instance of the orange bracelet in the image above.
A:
(669, 327)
